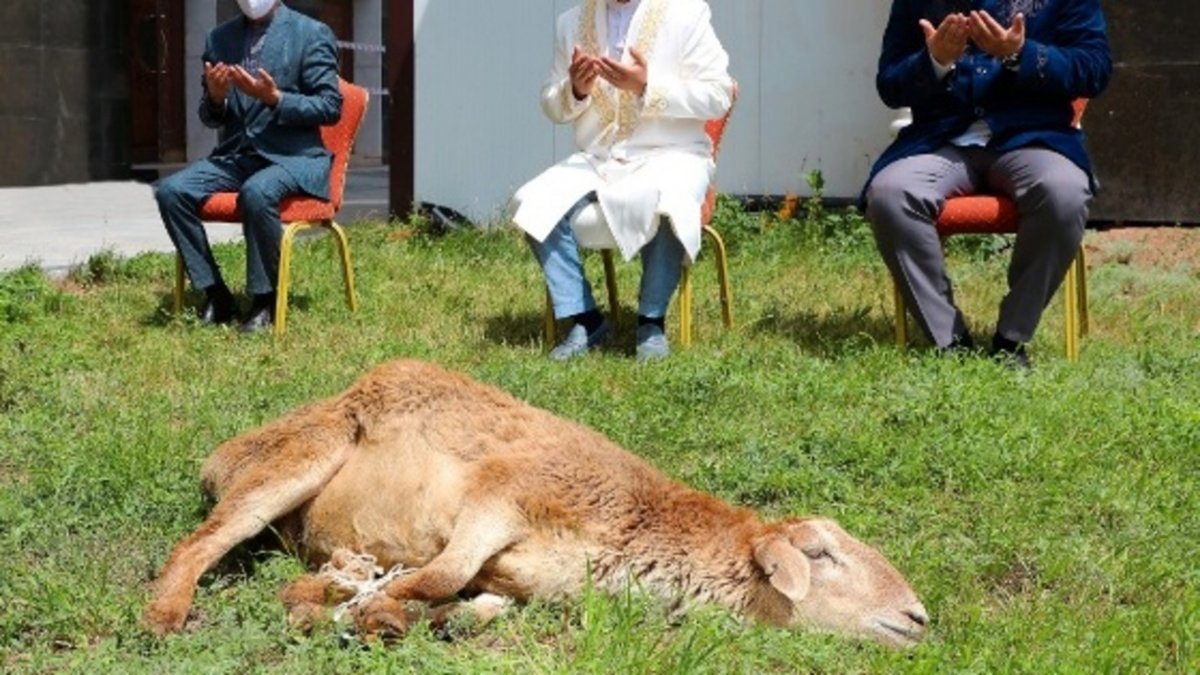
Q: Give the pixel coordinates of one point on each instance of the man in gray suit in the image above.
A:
(270, 82)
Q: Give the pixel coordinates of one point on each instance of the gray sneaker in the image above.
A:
(651, 343)
(578, 342)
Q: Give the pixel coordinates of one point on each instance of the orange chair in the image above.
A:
(992, 214)
(715, 128)
(299, 212)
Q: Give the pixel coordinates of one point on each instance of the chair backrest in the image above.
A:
(1079, 105)
(715, 128)
(339, 136)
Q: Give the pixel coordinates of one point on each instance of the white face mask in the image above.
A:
(256, 9)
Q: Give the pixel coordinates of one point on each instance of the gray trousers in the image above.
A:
(260, 186)
(1052, 196)
(570, 292)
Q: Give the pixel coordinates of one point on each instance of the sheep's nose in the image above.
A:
(917, 615)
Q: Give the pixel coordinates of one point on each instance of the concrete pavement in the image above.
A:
(58, 226)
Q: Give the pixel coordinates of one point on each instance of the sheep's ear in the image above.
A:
(785, 567)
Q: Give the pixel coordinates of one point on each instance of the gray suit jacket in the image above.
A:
(301, 55)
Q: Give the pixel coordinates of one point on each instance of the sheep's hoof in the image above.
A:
(305, 616)
(164, 617)
(381, 617)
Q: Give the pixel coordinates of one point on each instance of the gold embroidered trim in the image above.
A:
(656, 99)
(625, 112)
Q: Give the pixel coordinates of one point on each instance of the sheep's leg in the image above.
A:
(255, 500)
(481, 531)
(479, 610)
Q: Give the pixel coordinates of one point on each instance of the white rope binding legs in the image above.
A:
(358, 572)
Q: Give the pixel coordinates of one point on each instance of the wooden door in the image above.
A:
(156, 82)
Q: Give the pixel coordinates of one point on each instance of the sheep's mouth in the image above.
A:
(897, 634)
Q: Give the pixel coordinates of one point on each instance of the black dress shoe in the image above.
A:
(1010, 354)
(218, 311)
(260, 318)
(960, 346)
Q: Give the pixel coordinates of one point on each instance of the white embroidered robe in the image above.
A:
(643, 156)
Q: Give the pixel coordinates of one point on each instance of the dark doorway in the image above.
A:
(156, 82)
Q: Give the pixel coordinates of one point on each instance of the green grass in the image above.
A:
(1048, 520)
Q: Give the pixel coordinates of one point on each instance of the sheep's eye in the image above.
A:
(818, 553)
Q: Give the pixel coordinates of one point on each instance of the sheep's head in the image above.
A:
(821, 577)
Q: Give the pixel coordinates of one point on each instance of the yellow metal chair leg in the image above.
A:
(1071, 309)
(178, 293)
(285, 275)
(685, 307)
(548, 327)
(347, 268)
(285, 268)
(722, 276)
(901, 317)
(1081, 285)
(610, 280)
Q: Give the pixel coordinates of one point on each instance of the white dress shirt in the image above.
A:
(620, 15)
(976, 135)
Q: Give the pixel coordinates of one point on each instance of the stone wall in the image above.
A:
(64, 113)
(1142, 132)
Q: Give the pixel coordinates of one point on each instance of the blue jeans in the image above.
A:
(570, 292)
(260, 186)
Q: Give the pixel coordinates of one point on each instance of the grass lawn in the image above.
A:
(1048, 520)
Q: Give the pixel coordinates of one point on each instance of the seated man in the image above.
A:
(637, 79)
(990, 84)
(270, 82)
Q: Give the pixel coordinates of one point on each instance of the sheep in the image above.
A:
(479, 492)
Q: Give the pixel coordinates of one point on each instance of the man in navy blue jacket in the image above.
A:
(990, 84)
(270, 83)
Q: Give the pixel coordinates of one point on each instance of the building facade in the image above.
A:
(108, 89)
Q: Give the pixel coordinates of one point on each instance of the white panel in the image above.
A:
(820, 109)
(480, 132)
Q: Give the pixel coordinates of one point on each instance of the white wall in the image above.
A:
(807, 75)
(480, 131)
(806, 70)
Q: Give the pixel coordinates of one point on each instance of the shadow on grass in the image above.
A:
(522, 328)
(832, 334)
(244, 559)
(163, 313)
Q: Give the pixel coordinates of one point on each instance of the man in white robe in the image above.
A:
(638, 79)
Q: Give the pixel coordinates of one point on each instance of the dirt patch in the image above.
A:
(70, 286)
(1170, 248)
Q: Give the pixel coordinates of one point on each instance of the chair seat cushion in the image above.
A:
(978, 214)
(222, 208)
(591, 230)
